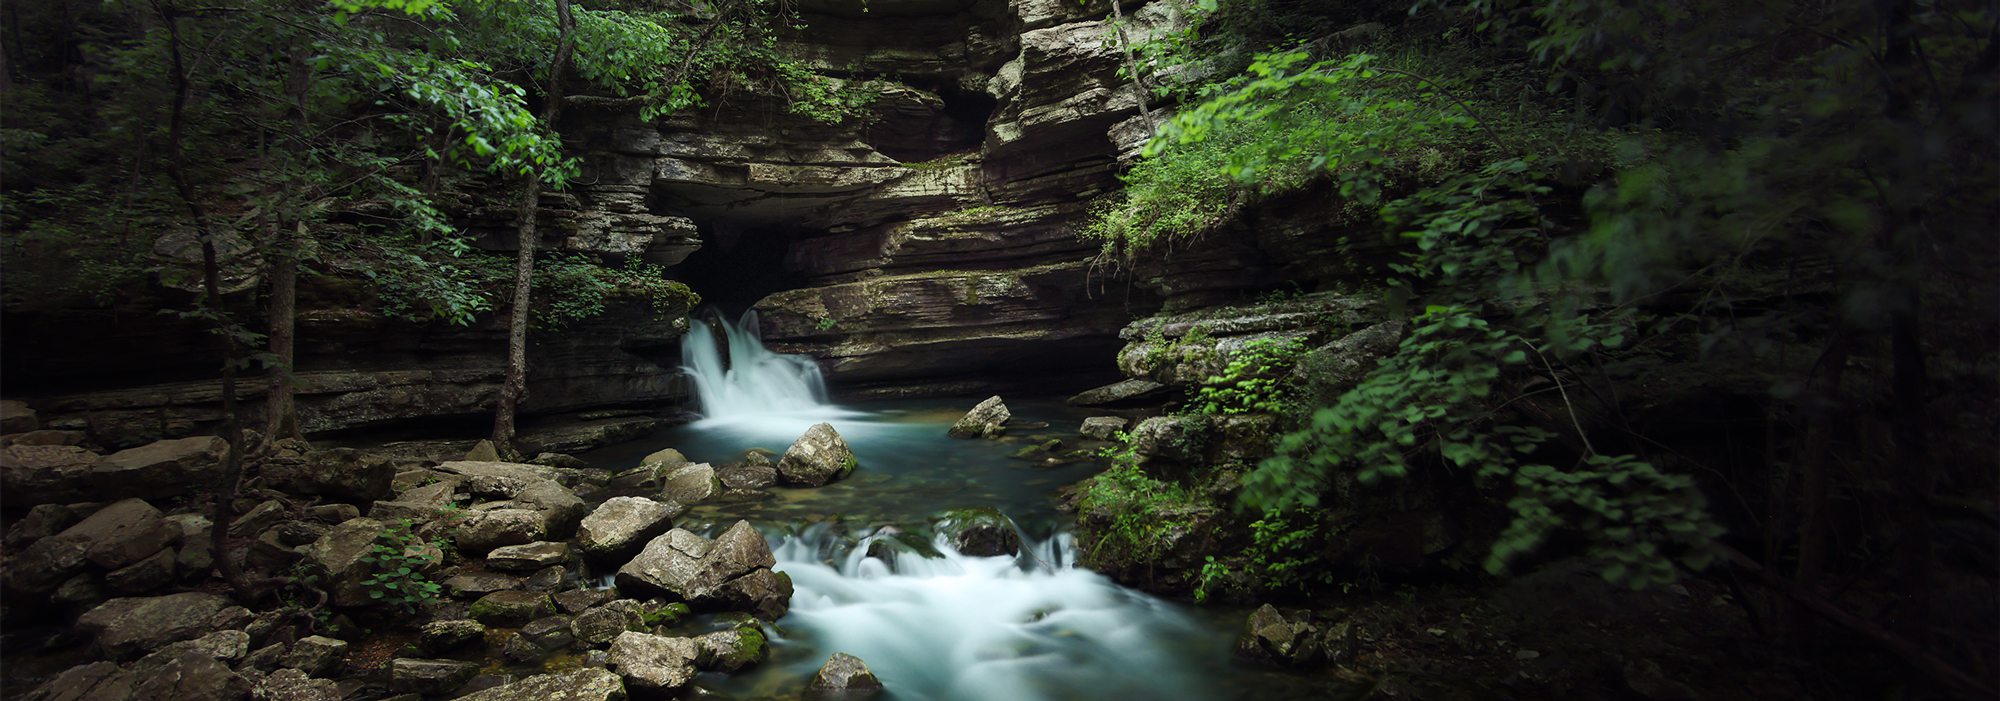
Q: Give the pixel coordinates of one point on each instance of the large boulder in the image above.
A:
(749, 474)
(41, 474)
(653, 663)
(817, 458)
(1103, 428)
(339, 553)
(1127, 392)
(487, 529)
(732, 650)
(116, 536)
(987, 420)
(342, 473)
(130, 627)
(160, 468)
(512, 607)
(843, 677)
(706, 573)
(17, 417)
(621, 525)
(588, 684)
(528, 557)
(979, 531)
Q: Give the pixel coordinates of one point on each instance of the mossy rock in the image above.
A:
(512, 607)
(978, 531)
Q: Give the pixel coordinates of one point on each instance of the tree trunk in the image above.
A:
(515, 388)
(1132, 66)
(211, 274)
(280, 410)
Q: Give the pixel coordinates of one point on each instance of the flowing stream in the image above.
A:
(933, 624)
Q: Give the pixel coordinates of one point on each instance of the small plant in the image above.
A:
(825, 323)
(397, 560)
(1254, 382)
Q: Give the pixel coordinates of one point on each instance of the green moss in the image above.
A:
(665, 615)
(848, 464)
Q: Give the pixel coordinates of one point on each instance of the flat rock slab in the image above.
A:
(528, 557)
(129, 627)
(622, 525)
(590, 684)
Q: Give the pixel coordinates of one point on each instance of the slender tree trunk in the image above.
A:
(280, 410)
(1816, 466)
(1132, 65)
(515, 388)
(211, 274)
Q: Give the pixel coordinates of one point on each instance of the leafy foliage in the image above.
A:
(396, 563)
(1256, 380)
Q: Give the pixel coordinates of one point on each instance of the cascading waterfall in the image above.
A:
(974, 628)
(751, 381)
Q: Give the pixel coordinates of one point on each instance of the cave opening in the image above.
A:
(739, 263)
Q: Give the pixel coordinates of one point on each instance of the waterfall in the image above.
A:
(751, 380)
(954, 627)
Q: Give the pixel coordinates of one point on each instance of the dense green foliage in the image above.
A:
(1583, 196)
(396, 563)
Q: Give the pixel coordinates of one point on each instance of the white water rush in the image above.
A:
(957, 627)
(750, 392)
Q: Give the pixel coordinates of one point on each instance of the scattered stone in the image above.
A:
(979, 531)
(1268, 636)
(41, 474)
(341, 473)
(667, 458)
(622, 525)
(317, 655)
(653, 663)
(528, 556)
(748, 475)
(143, 576)
(512, 607)
(547, 579)
(40, 522)
(696, 569)
(130, 627)
(1103, 428)
(294, 685)
(588, 684)
(186, 675)
(817, 458)
(485, 530)
(843, 677)
(987, 420)
(17, 417)
(437, 637)
(548, 632)
(483, 451)
(689, 485)
(429, 676)
(339, 553)
(603, 624)
(113, 537)
(579, 600)
(733, 649)
(1130, 392)
(467, 585)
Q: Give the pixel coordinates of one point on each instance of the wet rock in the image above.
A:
(527, 557)
(339, 553)
(1130, 392)
(653, 663)
(317, 655)
(441, 636)
(979, 531)
(817, 458)
(1171, 438)
(520, 650)
(429, 676)
(748, 475)
(294, 685)
(843, 677)
(731, 650)
(588, 684)
(512, 607)
(689, 485)
(111, 538)
(341, 473)
(129, 627)
(1103, 428)
(621, 525)
(467, 585)
(1270, 636)
(763, 593)
(17, 417)
(40, 474)
(697, 570)
(987, 420)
